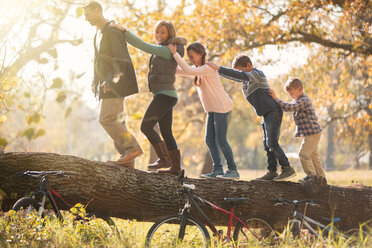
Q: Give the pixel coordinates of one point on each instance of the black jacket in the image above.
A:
(113, 58)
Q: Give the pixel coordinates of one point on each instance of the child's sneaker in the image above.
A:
(230, 174)
(287, 172)
(213, 174)
(270, 175)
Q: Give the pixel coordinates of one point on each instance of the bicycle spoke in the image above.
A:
(258, 232)
(165, 233)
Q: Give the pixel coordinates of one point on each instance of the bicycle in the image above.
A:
(27, 205)
(301, 221)
(189, 230)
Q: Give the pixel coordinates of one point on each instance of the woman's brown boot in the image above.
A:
(164, 160)
(175, 156)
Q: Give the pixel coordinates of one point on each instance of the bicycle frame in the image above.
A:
(307, 221)
(47, 193)
(191, 201)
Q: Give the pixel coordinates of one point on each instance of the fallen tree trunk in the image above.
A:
(133, 194)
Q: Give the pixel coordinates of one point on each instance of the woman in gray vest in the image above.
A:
(161, 79)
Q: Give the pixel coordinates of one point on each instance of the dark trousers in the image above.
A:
(160, 111)
(271, 132)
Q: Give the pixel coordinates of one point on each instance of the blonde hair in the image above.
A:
(293, 83)
(168, 25)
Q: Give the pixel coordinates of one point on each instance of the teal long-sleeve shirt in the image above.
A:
(158, 50)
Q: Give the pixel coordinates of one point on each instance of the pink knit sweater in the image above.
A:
(211, 92)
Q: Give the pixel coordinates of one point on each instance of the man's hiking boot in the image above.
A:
(164, 160)
(270, 175)
(130, 156)
(287, 172)
(129, 164)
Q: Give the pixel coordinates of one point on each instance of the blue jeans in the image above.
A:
(271, 131)
(215, 137)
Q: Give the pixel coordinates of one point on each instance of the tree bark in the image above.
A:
(133, 194)
(208, 163)
(330, 164)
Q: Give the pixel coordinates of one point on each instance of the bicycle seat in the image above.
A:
(238, 200)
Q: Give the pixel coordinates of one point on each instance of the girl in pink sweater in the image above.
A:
(216, 102)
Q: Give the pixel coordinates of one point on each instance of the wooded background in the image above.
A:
(46, 102)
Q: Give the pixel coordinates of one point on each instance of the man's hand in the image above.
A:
(106, 88)
(115, 25)
(93, 89)
(272, 93)
(172, 48)
(213, 65)
(116, 78)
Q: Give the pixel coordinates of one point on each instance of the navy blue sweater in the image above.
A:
(255, 88)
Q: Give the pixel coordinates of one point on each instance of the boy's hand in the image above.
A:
(115, 25)
(172, 48)
(213, 65)
(272, 93)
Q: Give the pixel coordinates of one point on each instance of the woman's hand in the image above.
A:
(115, 25)
(213, 65)
(172, 48)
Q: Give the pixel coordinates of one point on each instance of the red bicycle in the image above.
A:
(183, 228)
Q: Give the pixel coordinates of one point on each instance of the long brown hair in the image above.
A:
(198, 48)
(168, 25)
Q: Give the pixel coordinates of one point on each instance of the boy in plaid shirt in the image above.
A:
(307, 126)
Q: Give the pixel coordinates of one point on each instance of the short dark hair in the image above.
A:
(293, 83)
(93, 6)
(241, 61)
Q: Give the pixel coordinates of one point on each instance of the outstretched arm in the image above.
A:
(157, 50)
(229, 73)
(239, 76)
(186, 69)
(135, 41)
(299, 105)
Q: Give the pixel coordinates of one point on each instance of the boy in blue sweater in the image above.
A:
(255, 90)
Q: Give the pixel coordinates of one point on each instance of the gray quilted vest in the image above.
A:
(162, 73)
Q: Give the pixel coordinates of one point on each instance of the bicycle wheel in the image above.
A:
(293, 229)
(258, 231)
(357, 237)
(27, 206)
(165, 231)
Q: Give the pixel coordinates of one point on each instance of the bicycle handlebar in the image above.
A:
(44, 173)
(295, 202)
(188, 186)
(181, 179)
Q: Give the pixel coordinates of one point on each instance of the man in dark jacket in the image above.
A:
(114, 79)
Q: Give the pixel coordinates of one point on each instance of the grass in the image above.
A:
(16, 231)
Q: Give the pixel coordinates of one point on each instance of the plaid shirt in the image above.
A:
(303, 114)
